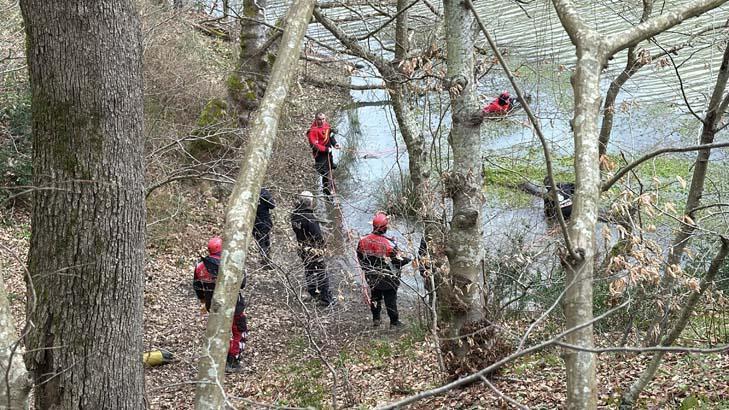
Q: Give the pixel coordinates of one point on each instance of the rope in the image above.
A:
(365, 289)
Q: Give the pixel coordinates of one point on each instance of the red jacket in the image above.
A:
(201, 272)
(320, 138)
(373, 252)
(500, 105)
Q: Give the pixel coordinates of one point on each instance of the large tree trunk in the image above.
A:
(247, 84)
(15, 388)
(464, 184)
(87, 242)
(242, 209)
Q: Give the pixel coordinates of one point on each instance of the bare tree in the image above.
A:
(88, 225)
(242, 209)
(464, 183)
(593, 50)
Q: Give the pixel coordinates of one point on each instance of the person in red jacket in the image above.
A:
(206, 273)
(322, 141)
(500, 106)
(381, 261)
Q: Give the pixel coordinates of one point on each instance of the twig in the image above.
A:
(609, 183)
(502, 395)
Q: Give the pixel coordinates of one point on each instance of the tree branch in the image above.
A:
(649, 28)
(621, 173)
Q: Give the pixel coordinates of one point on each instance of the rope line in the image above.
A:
(366, 298)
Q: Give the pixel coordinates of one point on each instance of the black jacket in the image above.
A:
(263, 212)
(307, 230)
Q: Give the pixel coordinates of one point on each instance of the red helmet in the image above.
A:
(215, 245)
(379, 222)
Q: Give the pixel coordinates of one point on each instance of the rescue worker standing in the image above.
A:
(206, 273)
(381, 261)
(263, 225)
(311, 248)
(322, 141)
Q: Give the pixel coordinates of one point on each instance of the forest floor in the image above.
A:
(300, 355)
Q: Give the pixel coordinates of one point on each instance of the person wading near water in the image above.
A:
(263, 225)
(311, 248)
(206, 273)
(500, 106)
(381, 262)
(322, 141)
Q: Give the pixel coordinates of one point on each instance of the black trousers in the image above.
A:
(324, 167)
(390, 297)
(262, 235)
(317, 282)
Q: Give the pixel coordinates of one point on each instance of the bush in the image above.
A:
(15, 142)
(484, 346)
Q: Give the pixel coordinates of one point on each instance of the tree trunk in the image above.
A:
(242, 209)
(713, 117)
(248, 83)
(15, 388)
(577, 303)
(464, 185)
(86, 256)
(631, 67)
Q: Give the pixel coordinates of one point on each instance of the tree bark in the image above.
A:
(14, 378)
(464, 185)
(242, 210)
(593, 51)
(87, 241)
(248, 83)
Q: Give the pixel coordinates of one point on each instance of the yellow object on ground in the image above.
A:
(157, 357)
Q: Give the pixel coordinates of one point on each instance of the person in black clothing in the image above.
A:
(381, 261)
(263, 225)
(565, 191)
(311, 248)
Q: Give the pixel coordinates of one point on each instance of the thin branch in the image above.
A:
(665, 349)
(609, 183)
(502, 395)
(626, 38)
(390, 20)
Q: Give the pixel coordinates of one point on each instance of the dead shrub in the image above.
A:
(484, 345)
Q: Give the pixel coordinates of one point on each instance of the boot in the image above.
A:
(397, 325)
(232, 365)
